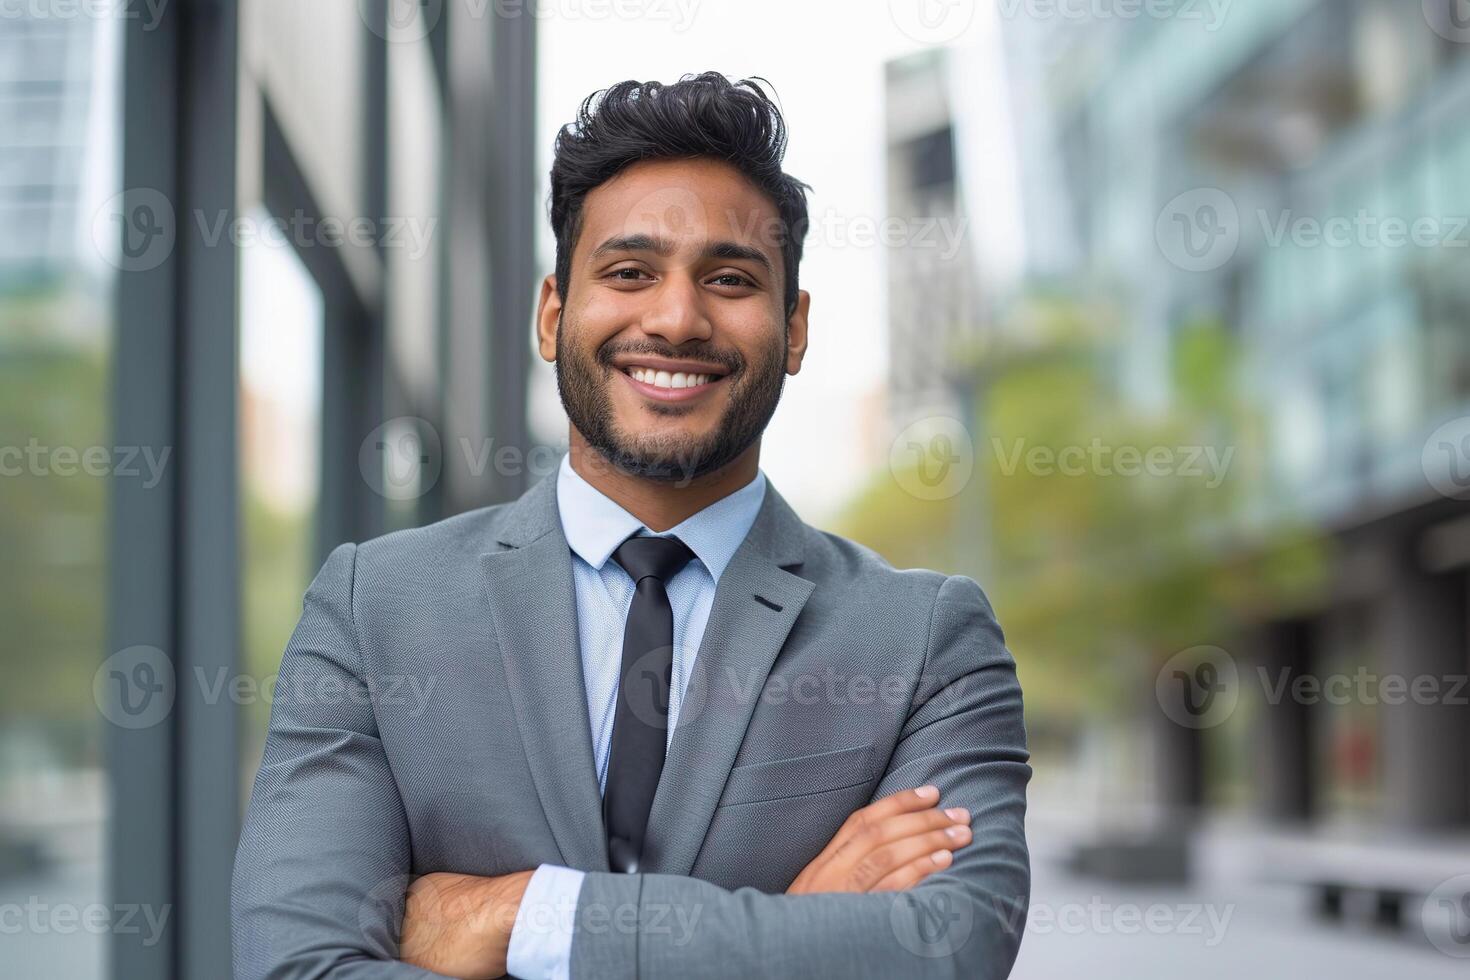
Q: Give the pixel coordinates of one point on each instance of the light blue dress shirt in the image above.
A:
(541, 941)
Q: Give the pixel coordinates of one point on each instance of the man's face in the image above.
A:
(673, 344)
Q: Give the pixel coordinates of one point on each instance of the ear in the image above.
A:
(548, 315)
(796, 331)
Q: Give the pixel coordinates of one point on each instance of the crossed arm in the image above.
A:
(323, 872)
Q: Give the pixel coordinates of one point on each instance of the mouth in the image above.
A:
(673, 387)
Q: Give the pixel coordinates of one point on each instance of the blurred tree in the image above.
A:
(1108, 537)
(276, 555)
(53, 398)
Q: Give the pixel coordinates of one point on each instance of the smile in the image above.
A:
(667, 386)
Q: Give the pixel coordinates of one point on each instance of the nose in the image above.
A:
(676, 311)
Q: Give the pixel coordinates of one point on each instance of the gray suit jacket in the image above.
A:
(430, 716)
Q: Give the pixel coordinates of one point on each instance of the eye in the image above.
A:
(628, 273)
(732, 279)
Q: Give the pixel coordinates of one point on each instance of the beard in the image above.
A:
(583, 381)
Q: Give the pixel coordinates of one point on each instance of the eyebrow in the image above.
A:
(665, 247)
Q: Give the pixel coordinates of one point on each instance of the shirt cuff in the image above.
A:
(541, 939)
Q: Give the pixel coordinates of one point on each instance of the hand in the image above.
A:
(889, 845)
(460, 924)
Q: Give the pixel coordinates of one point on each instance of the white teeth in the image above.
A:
(663, 379)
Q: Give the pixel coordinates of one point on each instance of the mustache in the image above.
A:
(731, 361)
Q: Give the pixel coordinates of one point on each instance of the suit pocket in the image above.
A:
(800, 775)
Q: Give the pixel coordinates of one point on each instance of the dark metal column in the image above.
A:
(1426, 740)
(513, 216)
(175, 799)
(1286, 740)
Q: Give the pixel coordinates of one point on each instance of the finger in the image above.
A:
(904, 801)
(876, 834)
(914, 872)
(918, 801)
(874, 866)
(892, 805)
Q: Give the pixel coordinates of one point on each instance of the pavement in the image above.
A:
(1223, 927)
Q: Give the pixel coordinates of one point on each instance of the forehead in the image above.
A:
(691, 201)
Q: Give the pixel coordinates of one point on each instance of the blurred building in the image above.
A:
(931, 297)
(265, 288)
(1186, 166)
(51, 75)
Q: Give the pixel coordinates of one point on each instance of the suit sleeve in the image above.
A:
(323, 862)
(965, 734)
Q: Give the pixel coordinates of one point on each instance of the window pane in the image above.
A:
(280, 447)
(58, 167)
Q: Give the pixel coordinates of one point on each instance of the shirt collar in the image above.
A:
(594, 525)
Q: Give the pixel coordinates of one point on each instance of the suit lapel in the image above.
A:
(529, 587)
(756, 603)
(530, 593)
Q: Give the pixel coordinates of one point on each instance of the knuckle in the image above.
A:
(867, 870)
(939, 838)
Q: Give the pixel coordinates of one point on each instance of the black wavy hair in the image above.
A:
(703, 115)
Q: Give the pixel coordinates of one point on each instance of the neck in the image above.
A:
(658, 505)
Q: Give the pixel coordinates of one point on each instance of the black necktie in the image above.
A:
(641, 718)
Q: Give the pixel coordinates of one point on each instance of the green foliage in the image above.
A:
(276, 555)
(1107, 536)
(53, 520)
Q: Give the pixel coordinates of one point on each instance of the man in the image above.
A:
(672, 730)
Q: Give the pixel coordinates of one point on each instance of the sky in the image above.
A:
(827, 73)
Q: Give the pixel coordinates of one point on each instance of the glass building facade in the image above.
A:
(245, 315)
